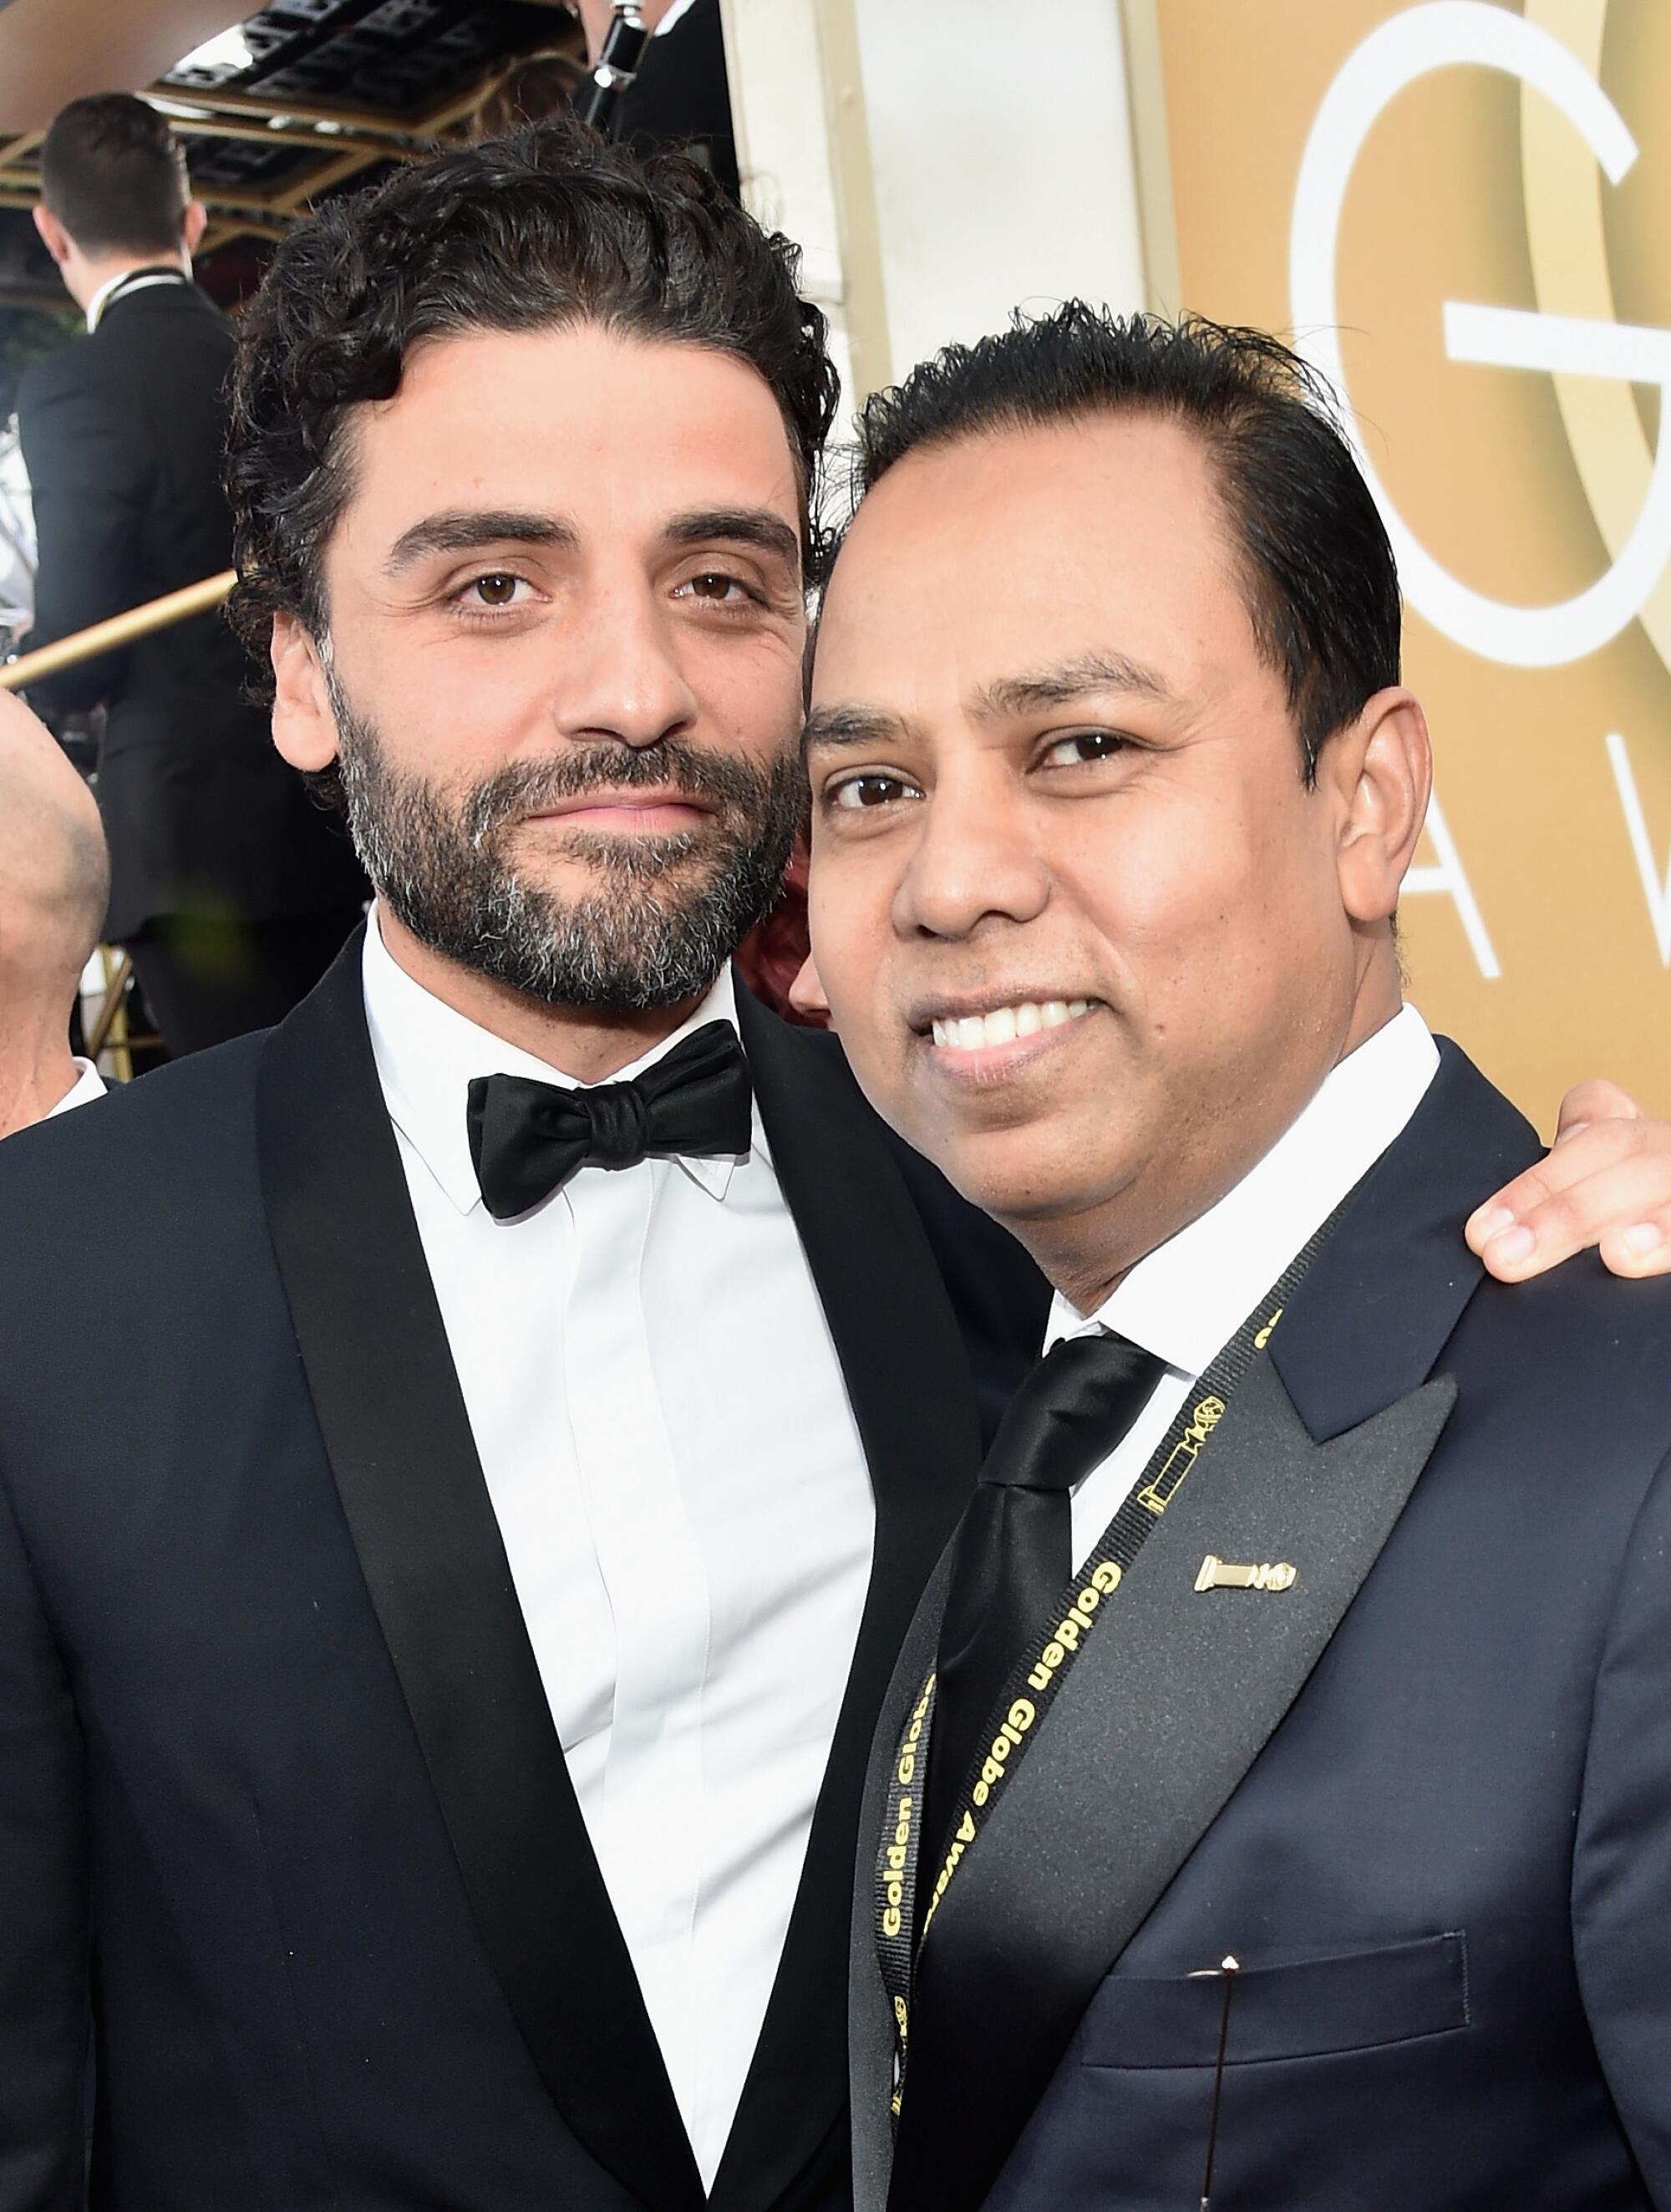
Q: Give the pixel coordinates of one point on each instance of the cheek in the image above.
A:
(748, 692)
(848, 906)
(466, 702)
(1190, 899)
(1166, 911)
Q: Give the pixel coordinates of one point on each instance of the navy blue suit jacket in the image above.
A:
(1423, 1797)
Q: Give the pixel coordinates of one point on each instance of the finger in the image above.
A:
(1508, 1208)
(1639, 1250)
(1624, 1207)
(1598, 1100)
(1585, 1152)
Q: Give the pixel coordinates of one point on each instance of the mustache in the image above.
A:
(731, 787)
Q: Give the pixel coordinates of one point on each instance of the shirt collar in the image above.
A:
(675, 15)
(141, 275)
(427, 1054)
(88, 1086)
(1188, 1296)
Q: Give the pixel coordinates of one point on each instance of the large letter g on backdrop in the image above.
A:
(1442, 34)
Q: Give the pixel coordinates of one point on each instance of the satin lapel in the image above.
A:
(399, 1442)
(907, 1379)
(1172, 1700)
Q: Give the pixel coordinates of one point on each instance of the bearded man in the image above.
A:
(467, 1462)
(535, 1420)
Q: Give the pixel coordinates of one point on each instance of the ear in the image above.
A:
(196, 217)
(1381, 766)
(53, 235)
(304, 726)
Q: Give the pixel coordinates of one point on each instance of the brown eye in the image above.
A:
(1086, 746)
(860, 791)
(712, 586)
(496, 591)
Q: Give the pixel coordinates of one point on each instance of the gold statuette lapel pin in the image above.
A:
(1223, 1574)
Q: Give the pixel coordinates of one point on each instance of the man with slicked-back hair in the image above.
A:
(230, 888)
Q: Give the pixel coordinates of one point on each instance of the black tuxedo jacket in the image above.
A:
(277, 1772)
(1423, 1796)
(122, 433)
(682, 96)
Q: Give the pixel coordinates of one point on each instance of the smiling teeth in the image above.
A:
(973, 1032)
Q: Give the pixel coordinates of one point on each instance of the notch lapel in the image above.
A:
(907, 1379)
(399, 1442)
(1179, 1690)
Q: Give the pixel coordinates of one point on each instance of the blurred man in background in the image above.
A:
(681, 95)
(539, 85)
(230, 888)
(54, 881)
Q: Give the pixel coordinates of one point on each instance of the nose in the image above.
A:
(623, 679)
(976, 859)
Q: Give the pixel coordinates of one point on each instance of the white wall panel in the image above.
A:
(1001, 153)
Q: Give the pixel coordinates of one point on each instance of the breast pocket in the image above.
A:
(1352, 2000)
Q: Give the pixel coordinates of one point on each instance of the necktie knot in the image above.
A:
(527, 1138)
(1070, 1411)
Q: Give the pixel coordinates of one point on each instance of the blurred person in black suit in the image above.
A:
(681, 96)
(230, 887)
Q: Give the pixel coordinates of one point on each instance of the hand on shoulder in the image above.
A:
(1605, 1182)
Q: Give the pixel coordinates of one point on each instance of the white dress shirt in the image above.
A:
(1190, 1295)
(89, 1085)
(685, 1507)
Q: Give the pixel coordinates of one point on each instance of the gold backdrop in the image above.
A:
(1385, 182)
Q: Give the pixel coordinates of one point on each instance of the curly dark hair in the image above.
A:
(550, 226)
(1321, 580)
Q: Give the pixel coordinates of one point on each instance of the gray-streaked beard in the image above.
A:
(669, 912)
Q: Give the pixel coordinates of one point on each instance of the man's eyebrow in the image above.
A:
(458, 530)
(1070, 680)
(742, 526)
(851, 725)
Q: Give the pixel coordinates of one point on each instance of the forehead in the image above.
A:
(581, 421)
(1011, 550)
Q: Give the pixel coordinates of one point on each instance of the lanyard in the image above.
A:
(901, 1928)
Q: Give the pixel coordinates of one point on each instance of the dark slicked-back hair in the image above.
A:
(1320, 583)
(547, 228)
(115, 175)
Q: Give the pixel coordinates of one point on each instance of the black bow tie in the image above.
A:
(528, 1138)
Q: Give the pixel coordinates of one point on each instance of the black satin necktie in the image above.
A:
(1014, 1546)
(527, 1138)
